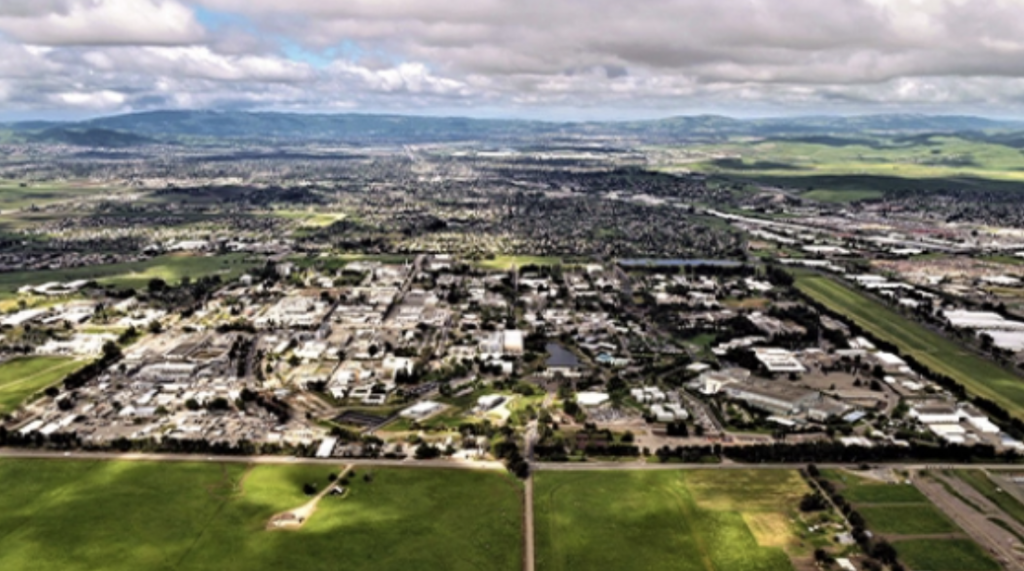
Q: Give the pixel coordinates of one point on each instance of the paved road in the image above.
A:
(146, 457)
(460, 464)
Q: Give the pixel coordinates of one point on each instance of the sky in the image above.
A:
(546, 59)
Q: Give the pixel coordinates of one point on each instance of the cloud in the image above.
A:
(523, 56)
(101, 22)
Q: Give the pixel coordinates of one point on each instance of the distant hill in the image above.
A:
(140, 128)
(88, 137)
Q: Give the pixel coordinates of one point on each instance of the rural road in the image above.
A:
(458, 464)
(529, 561)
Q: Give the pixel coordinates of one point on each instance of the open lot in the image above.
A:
(170, 268)
(21, 378)
(978, 375)
(69, 515)
(667, 520)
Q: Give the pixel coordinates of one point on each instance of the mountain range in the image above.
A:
(183, 126)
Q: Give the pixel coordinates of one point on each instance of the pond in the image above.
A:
(560, 356)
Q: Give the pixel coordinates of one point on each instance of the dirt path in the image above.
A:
(529, 559)
(296, 518)
(996, 540)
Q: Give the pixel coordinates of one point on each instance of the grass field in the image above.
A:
(978, 375)
(310, 218)
(14, 196)
(986, 487)
(945, 555)
(170, 268)
(841, 196)
(936, 158)
(78, 515)
(677, 520)
(23, 377)
(906, 519)
(864, 490)
(506, 262)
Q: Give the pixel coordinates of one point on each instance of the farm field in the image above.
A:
(978, 375)
(928, 157)
(945, 555)
(858, 489)
(23, 377)
(904, 519)
(677, 520)
(170, 268)
(15, 196)
(82, 515)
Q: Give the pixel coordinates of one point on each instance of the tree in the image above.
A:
(426, 452)
(309, 489)
(813, 503)
(157, 285)
(884, 552)
(155, 327)
(192, 404)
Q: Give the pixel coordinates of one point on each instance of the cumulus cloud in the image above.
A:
(520, 55)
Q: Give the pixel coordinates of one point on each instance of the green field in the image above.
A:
(25, 376)
(507, 262)
(679, 520)
(865, 490)
(88, 515)
(906, 519)
(840, 196)
(977, 374)
(986, 487)
(933, 157)
(14, 196)
(945, 555)
(170, 268)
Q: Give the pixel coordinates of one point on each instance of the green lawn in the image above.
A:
(88, 515)
(986, 487)
(652, 520)
(945, 555)
(25, 376)
(906, 519)
(170, 268)
(980, 376)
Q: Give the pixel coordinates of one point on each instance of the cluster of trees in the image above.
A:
(689, 454)
(508, 451)
(837, 452)
(111, 354)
